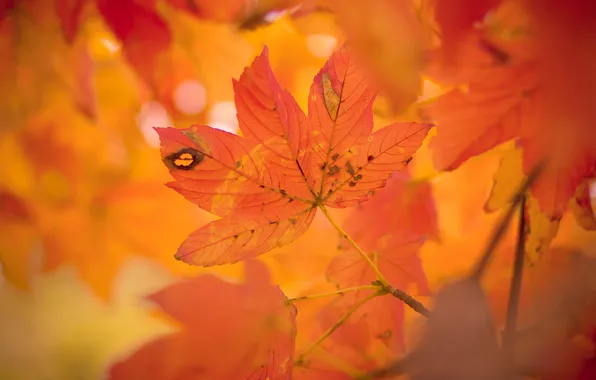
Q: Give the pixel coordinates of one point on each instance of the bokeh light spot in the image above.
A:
(223, 116)
(190, 97)
(321, 45)
(152, 114)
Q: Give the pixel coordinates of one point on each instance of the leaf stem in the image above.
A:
(515, 288)
(334, 293)
(360, 251)
(335, 326)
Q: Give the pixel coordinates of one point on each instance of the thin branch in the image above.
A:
(335, 326)
(334, 293)
(360, 251)
(412, 302)
(499, 232)
(515, 288)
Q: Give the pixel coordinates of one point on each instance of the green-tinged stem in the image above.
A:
(334, 293)
(337, 324)
(363, 254)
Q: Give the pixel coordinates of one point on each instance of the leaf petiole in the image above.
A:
(334, 293)
(335, 326)
(360, 251)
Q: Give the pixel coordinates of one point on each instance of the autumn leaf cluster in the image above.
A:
(334, 171)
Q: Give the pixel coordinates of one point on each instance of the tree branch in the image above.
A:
(501, 228)
(515, 288)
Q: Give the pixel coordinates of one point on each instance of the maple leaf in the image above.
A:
(391, 47)
(510, 94)
(392, 226)
(540, 228)
(66, 351)
(372, 335)
(247, 333)
(144, 34)
(455, 19)
(30, 38)
(267, 185)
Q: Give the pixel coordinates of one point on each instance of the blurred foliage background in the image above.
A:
(88, 227)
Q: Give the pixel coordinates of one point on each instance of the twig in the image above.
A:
(360, 251)
(515, 288)
(499, 232)
(334, 293)
(335, 326)
(412, 302)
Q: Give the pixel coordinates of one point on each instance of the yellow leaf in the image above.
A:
(62, 331)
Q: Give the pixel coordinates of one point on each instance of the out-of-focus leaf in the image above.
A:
(389, 40)
(229, 331)
(540, 228)
(79, 338)
(36, 55)
(460, 338)
(69, 12)
(582, 206)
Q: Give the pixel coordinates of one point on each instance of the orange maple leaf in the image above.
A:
(509, 94)
(229, 331)
(392, 226)
(268, 185)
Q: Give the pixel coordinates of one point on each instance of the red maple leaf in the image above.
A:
(144, 34)
(509, 91)
(267, 185)
(229, 331)
(392, 227)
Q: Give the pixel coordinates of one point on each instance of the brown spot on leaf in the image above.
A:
(333, 170)
(350, 168)
(352, 184)
(335, 156)
(184, 159)
(385, 334)
(330, 97)
(370, 158)
(358, 177)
